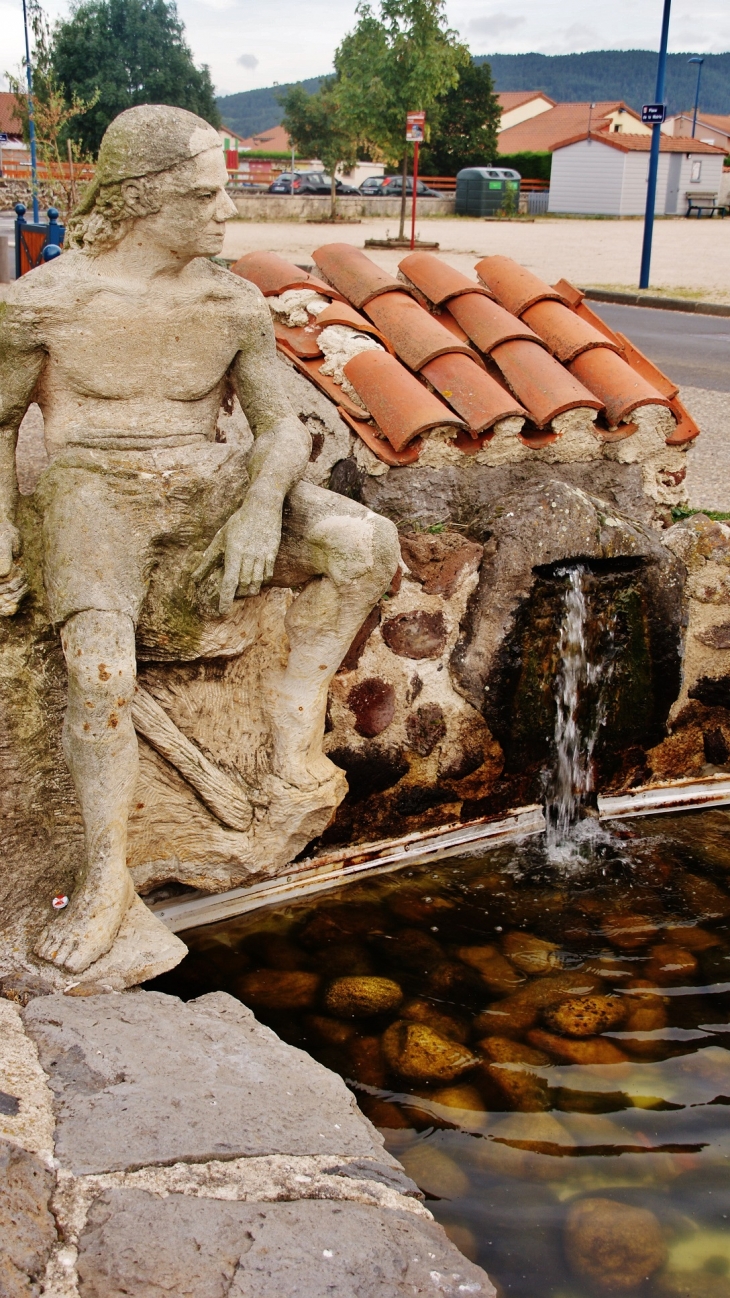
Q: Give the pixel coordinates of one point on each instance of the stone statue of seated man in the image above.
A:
(130, 342)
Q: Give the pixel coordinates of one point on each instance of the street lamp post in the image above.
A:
(656, 132)
(31, 123)
(699, 63)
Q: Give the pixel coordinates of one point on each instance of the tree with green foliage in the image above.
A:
(318, 128)
(405, 60)
(468, 121)
(128, 52)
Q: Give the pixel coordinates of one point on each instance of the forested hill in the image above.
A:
(614, 74)
(600, 74)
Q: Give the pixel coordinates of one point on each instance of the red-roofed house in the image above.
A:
(545, 129)
(606, 173)
(713, 128)
(521, 105)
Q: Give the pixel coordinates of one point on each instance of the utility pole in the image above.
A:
(699, 63)
(656, 132)
(31, 122)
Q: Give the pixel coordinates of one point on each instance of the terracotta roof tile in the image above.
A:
(487, 323)
(548, 130)
(569, 293)
(509, 99)
(471, 392)
(9, 120)
(540, 382)
(416, 335)
(591, 317)
(565, 333)
(341, 313)
(274, 275)
(301, 339)
(513, 285)
(626, 143)
(353, 274)
(312, 370)
(437, 281)
(449, 322)
(686, 429)
(619, 388)
(383, 449)
(646, 368)
(400, 405)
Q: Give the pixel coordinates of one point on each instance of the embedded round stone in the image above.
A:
(373, 703)
(416, 635)
(415, 1051)
(585, 1016)
(614, 1246)
(278, 989)
(425, 728)
(358, 997)
(629, 932)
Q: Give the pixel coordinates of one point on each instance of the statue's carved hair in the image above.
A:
(106, 222)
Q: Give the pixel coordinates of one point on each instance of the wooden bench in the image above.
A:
(703, 203)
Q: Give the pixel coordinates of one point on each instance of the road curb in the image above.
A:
(692, 305)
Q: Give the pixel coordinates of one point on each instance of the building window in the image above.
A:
(617, 128)
(696, 172)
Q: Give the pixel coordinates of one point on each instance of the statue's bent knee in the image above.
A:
(362, 549)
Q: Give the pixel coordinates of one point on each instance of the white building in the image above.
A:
(607, 175)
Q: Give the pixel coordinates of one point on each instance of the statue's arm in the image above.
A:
(249, 541)
(21, 361)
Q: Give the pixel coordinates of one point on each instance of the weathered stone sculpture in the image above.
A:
(154, 536)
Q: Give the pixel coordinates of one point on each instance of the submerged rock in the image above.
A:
(447, 1025)
(360, 997)
(434, 1172)
(507, 1065)
(459, 1097)
(278, 989)
(612, 1245)
(585, 1016)
(590, 1050)
(670, 964)
(530, 1146)
(415, 1051)
(531, 955)
(365, 1055)
(495, 971)
(630, 932)
(332, 1031)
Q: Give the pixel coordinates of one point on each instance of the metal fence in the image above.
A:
(537, 202)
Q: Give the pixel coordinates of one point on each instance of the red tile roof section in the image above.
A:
(312, 370)
(380, 446)
(592, 318)
(646, 368)
(341, 313)
(487, 323)
(436, 280)
(563, 330)
(10, 123)
(546, 131)
(619, 388)
(541, 383)
(509, 99)
(642, 143)
(274, 275)
(400, 405)
(686, 429)
(515, 287)
(300, 339)
(416, 335)
(471, 392)
(355, 276)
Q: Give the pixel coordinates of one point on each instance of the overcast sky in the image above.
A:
(250, 45)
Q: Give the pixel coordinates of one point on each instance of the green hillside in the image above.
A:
(600, 74)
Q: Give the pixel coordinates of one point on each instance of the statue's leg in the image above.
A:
(100, 746)
(346, 556)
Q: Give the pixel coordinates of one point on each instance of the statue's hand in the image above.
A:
(13, 585)
(248, 543)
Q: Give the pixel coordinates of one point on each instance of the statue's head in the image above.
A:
(163, 167)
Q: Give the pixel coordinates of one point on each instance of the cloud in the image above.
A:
(247, 61)
(495, 24)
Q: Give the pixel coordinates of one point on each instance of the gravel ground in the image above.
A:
(708, 459)
(690, 258)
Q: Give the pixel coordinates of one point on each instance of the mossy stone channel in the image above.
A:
(546, 1051)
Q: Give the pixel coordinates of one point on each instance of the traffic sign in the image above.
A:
(653, 114)
(415, 127)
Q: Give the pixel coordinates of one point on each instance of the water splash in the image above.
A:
(578, 679)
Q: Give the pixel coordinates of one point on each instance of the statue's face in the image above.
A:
(194, 208)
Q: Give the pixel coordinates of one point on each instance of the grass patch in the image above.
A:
(680, 512)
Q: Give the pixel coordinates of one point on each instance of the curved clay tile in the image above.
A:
(301, 339)
(512, 285)
(383, 449)
(437, 281)
(619, 388)
(449, 322)
(312, 370)
(541, 383)
(585, 313)
(357, 277)
(400, 405)
(341, 313)
(646, 368)
(487, 323)
(274, 275)
(564, 332)
(416, 335)
(471, 392)
(686, 429)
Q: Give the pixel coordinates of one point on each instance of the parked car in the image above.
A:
(308, 182)
(392, 186)
(370, 185)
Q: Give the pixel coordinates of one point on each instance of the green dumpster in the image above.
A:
(481, 191)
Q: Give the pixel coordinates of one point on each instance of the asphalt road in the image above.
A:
(693, 350)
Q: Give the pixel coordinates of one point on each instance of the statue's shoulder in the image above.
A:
(47, 287)
(244, 298)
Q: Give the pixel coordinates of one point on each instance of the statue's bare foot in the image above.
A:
(87, 929)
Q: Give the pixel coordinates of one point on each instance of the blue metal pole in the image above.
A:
(699, 63)
(654, 153)
(31, 123)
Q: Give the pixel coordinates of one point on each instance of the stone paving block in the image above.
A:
(142, 1078)
(27, 1229)
(142, 1246)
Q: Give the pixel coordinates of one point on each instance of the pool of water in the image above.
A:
(542, 1036)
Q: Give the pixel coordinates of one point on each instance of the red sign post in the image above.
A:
(415, 133)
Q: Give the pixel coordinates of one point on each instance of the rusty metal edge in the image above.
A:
(660, 799)
(334, 869)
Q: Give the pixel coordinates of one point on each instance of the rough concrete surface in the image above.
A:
(26, 1113)
(27, 1228)
(708, 460)
(144, 1078)
(136, 1243)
